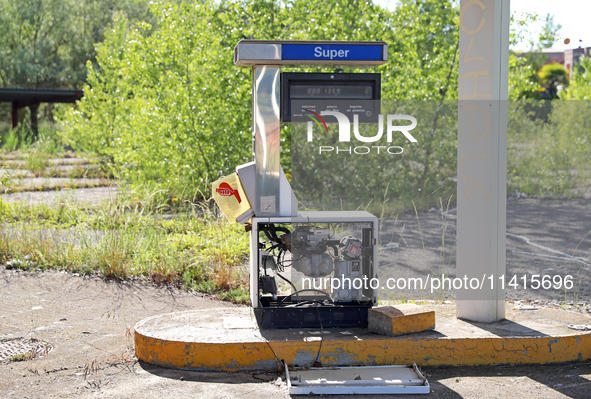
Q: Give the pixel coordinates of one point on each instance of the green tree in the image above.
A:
(31, 50)
(523, 79)
(165, 105)
(550, 32)
(580, 83)
(46, 43)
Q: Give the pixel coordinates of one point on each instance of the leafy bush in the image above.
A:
(580, 84)
(157, 109)
(553, 78)
(167, 105)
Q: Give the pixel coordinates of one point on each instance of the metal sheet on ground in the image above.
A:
(369, 380)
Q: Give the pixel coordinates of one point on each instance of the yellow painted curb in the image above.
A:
(259, 354)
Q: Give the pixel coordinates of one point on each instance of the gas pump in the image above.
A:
(307, 269)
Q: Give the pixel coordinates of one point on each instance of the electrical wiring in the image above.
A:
(305, 290)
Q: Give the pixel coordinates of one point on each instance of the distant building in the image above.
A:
(572, 56)
(553, 55)
(568, 58)
(549, 54)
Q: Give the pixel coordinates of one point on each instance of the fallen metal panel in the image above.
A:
(370, 380)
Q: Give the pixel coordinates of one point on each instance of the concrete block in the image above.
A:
(400, 319)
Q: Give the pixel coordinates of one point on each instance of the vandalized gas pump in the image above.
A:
(307, 269)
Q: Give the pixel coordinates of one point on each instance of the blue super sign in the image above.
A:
(332, 52)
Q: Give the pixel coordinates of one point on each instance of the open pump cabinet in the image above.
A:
(314, 270)
(367, 380)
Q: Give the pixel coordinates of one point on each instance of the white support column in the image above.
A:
(482, 156)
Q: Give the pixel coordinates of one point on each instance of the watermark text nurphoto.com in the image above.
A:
(432, 283)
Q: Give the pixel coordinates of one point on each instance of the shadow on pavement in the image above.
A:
(208, 376)
(508, 328)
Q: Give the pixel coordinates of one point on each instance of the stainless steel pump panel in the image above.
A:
(265, 57)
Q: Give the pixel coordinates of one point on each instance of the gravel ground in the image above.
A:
(544, 237)
(88, 196)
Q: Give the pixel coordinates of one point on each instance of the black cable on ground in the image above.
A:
(279, 362)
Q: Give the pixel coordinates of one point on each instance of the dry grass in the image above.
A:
(127, 237)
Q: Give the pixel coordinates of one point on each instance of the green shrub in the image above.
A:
(167, 105)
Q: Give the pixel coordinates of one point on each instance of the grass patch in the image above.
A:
(549, 156)
(37, 158)
(21, 357)
(5, 180)
(46, 184)
(130, 236)
(47, 157)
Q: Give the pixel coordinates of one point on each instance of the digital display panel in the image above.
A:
(348, 93)
(341, 92)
